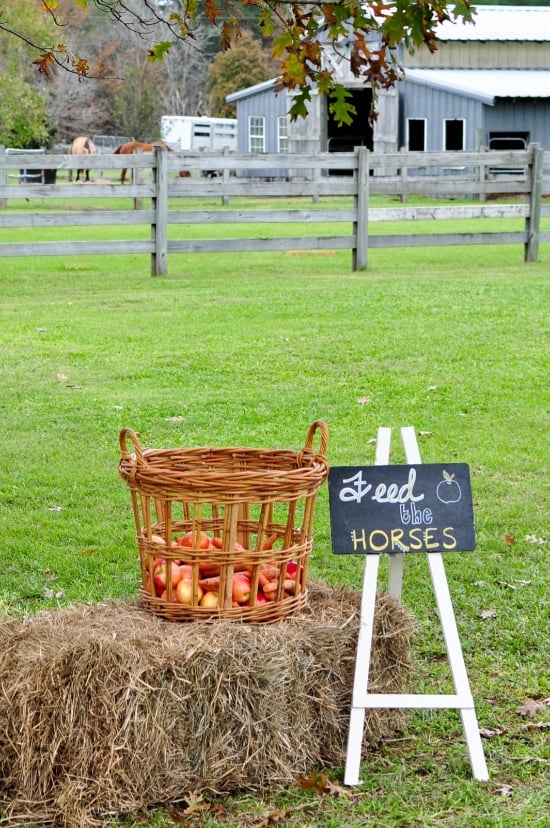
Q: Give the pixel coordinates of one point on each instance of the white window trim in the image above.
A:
(258, 118)
(463, 120)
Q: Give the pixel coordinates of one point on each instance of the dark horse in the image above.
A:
(83, 146)
(137, 146)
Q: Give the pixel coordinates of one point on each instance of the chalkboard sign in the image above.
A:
(416, 508)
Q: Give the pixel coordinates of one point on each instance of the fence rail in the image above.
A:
(358, 175)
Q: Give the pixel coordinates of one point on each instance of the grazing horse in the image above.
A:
(83, 146)
(133, 146)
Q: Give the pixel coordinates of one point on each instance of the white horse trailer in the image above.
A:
(185, 132)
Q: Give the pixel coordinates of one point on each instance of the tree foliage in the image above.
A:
(24, 121)
(365, 33)
(244, 65)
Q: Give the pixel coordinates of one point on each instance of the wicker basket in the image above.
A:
(224, 521)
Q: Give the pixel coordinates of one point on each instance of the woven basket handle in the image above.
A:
(127, 432)
(320, 426)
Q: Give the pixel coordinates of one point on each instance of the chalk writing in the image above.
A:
(390, 509)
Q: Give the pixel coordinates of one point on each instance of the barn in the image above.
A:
(488, 84)
(264, 125)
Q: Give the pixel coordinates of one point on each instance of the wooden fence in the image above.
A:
(480, 176)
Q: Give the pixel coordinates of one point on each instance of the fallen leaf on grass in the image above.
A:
(491, 732)
(509, 539)
(49, 594)
(535, 539)
(532, 707)
(61, 377)
(536, 726)
(280, 816)
(177, 419)
(513, 586)
(363, 400)
(55, 508)
(489, 613)
(194, 804)
(320, 783)
(505, 790)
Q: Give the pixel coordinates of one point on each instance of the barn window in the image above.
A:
(256, 133)
(454, 130)
(282, 134)
(416, 134)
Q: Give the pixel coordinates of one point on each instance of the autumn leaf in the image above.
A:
(491, 732)
(340, 106)
(489, 613)
(363, 400)
(194, 803)
(44, 62)
(532, 708)
(509, 539)
(535, 539)
(320, 783)
(158, 51)
(536, 726)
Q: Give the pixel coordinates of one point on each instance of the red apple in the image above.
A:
(160, 574)
(209, 600)
(188, 540)
(241, 587)
(184, 592)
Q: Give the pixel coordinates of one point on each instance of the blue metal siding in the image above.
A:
(435, 105)
(269, 106)
(525, 115)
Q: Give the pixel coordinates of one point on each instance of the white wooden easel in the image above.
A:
(462, 698)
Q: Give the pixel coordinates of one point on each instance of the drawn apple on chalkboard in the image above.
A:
(448, 490)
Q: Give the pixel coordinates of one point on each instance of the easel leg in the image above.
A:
(457, 665)
(362, 667)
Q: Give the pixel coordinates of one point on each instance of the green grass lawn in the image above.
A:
(249, 349)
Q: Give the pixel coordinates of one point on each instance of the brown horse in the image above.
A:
(137, 146)
(83, 146)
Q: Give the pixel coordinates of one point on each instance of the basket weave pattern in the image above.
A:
(251, 508)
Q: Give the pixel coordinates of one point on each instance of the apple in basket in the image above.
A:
(184, 592)
(160, 573)
(210, 600)
(188, 540)
(241, 587)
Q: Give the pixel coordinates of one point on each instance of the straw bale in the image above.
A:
(107, 709)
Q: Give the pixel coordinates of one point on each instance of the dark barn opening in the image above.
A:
(508, 140)
(358, 133)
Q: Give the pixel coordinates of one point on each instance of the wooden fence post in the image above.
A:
(361, 224)
(159, 229)
(532, 223)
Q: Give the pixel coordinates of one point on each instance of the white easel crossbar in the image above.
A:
(362, 700)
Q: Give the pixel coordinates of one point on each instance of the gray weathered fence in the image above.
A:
(355, 176)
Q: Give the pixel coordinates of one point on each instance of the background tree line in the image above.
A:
(124, 93)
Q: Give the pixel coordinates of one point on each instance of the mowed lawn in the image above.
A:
(249, 350)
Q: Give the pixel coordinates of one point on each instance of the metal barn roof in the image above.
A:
(500, 23)
(486, 84)
(251, 90)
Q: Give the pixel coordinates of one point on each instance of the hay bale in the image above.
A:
(106, 709)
